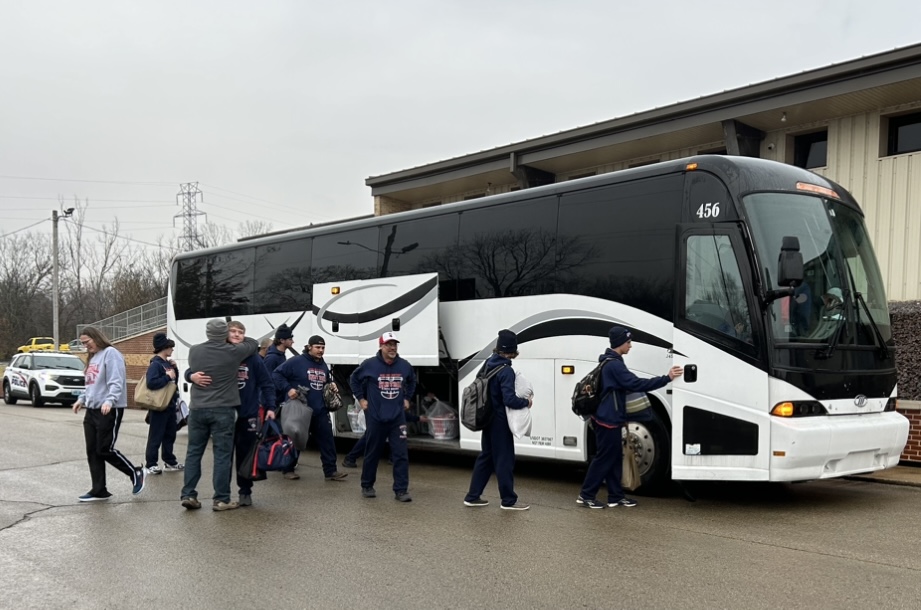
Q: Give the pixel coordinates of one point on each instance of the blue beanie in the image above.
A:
(507, 342)
(618, 336)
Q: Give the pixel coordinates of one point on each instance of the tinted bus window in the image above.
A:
(421, 246)
(284, 282)
(216, 285)
(350, 255)
(621, 242)
(507, 251)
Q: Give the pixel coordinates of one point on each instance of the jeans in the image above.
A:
(216, 423)
(607, 465)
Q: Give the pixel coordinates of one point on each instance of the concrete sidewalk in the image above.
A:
(897, 475)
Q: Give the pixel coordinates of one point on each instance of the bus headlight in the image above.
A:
(798, 408)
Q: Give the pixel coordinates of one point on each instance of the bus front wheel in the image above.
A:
(652, 446)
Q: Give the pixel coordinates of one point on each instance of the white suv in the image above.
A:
(43, 377)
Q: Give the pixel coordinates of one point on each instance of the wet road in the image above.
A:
(317, 544)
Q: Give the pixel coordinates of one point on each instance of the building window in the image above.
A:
(811, 150)
(904, 134)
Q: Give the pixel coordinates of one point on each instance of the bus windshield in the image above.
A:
(839, 263)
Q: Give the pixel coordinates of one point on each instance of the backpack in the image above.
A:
(587, 395)
(476, 412)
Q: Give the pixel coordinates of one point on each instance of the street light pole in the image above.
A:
(54, 274)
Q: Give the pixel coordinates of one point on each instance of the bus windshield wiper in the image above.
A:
(883, 351)
(828, 351)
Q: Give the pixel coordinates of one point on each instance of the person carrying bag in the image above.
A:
(159, 388)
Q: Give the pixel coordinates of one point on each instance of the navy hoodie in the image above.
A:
(616, 382)
(385, 386)
(303, 370)
(157, 377)
(273, 359)
(256, 387)
(502, 387)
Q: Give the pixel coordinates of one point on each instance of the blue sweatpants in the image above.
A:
(376, 434)
(607, 465)
(497, 455)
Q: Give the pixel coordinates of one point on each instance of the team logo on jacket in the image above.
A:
(92, 373)
(390, 385)
(317, 378)
(242, 376)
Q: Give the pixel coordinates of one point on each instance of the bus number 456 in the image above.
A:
(709, 210)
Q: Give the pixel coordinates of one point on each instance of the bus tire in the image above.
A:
(652, 444)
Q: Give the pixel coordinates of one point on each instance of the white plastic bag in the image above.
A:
(523, 387)
(519, 421)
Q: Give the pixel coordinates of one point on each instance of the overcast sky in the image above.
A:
(281, 109)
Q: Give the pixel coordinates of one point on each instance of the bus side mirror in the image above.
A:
(790, 263)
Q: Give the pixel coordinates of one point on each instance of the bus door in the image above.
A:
(720, 421)
(352, 315)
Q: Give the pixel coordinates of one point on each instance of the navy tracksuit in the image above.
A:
(303, 370)
(385, 387)
(497, 452)
(163, 426)
(256, 389)
(274, 358)
(607, 465)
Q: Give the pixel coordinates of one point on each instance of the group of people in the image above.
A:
(234, 388)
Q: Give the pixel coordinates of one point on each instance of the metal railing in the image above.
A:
(132, 322)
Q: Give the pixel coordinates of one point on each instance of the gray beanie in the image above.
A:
(216, 330)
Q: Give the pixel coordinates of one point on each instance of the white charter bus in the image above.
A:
(758, 277)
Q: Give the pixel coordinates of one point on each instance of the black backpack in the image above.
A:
(476, 412)
(587, 395)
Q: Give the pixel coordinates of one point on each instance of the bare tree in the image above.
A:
(254, 227)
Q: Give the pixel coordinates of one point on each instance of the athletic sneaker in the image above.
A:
(292, 476)
(88, 497)
(368, 492)
(222, 506)
(622, 502)
(191, 503)
(174, 467)
(477, 502)
(140, 479)
(246, 500)
(154, 470)
(349, 463)
(516, 506)
(589, 503)
(337, 476)
(404, 497)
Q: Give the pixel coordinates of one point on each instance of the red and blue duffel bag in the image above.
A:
(276, 450)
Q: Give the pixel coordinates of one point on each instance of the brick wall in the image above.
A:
(912, 410)
(137, 350)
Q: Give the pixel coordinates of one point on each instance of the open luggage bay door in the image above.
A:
(352, 315)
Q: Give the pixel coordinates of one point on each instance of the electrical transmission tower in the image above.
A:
(187, 198)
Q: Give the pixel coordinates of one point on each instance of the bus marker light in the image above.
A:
(815, 188)
(784, 409)
(568, 369)
(691, 167)
(334, 290)
(569, 441)
(780, 454)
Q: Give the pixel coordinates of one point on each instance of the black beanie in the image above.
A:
(618, 336)
(507, 342)
(283, 332)
(162, 342)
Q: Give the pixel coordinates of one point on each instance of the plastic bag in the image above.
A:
(295, 421)
(442, 420)
(630, 478)
(523, 387)
(182, 414)
(519, 421)
(357, 420)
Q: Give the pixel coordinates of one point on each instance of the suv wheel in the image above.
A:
(36, 396)
(8, 397)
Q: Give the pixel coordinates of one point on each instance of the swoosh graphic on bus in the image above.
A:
(176, 337)
(419, 297)
(562, 327)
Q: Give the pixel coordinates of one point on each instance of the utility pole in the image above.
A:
(187, 198)
(55, 290)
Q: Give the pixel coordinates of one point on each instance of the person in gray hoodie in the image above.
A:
(104, 399)
(213, 412)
